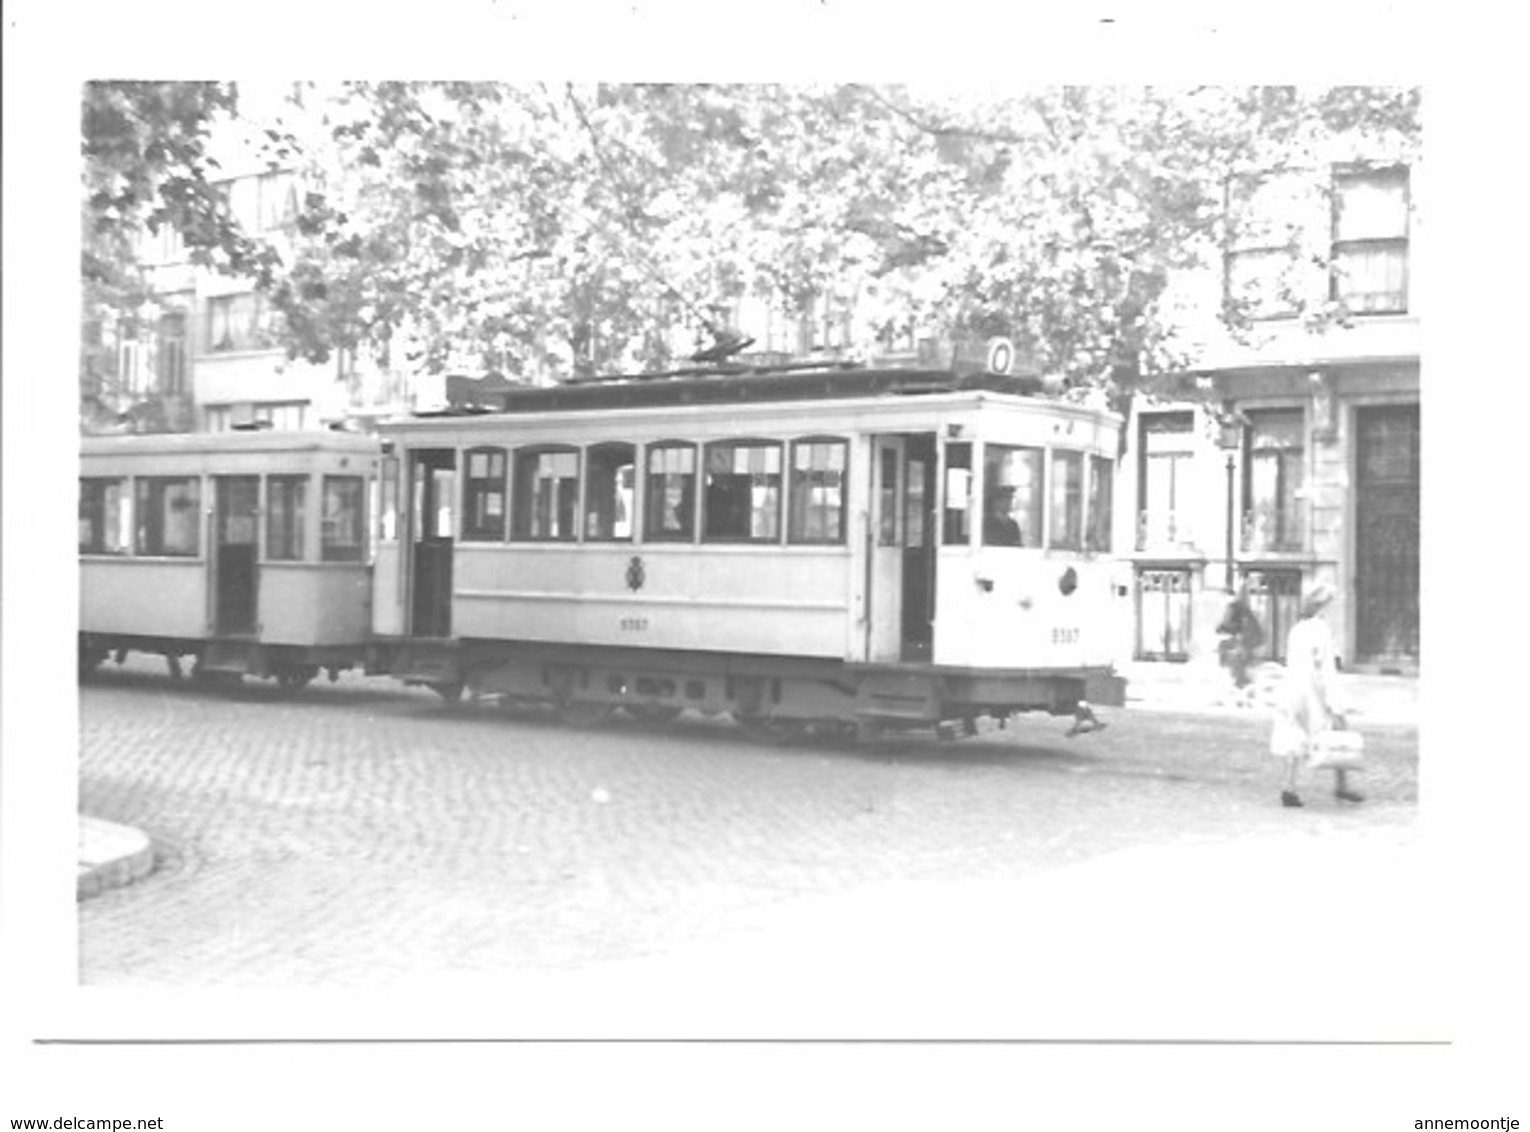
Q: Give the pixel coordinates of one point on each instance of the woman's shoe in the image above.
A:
(1348, 796)
(1289, 798)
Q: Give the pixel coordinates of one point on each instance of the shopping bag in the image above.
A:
(1337, 749)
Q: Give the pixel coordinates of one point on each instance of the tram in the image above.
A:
(815, 548)
(247, 552)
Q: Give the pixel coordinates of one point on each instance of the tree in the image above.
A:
(146, 168)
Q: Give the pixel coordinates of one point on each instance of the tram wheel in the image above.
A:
(653, 714)
(768, 729)
(294, 677)
(584, 713)
(450, 691)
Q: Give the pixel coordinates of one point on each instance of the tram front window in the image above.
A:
(1012, 496)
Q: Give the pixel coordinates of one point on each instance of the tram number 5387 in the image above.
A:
(634, 624)
(1065, 636)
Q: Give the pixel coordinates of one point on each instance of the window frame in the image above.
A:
(588, 481)
(100, 509)
(1346, 176)
(1099, 485)
(1034, 527)
(1289, 535)
(283, 539)
(524, 509)
(355, 549)
(1072, 508)
(478, 490)
(749, 443)
(797, 503)
(149, 514)
(654, 509)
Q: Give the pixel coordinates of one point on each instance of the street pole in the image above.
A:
(1230, 517)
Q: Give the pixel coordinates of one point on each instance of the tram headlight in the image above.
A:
(1068, 582)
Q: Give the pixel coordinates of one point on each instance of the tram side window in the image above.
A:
(956, 524)
(169, 516)
(103, 516)
(286, 506)
(818, 491)
(344, 514)
(670, 506)
(1101, 481)
(1067, 527)
(608, 492)
(546, 494)
(743, 491)
(1013, 490)
(483, 505)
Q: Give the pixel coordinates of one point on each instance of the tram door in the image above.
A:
(902, 552)
(919, 539)
(433, 476)
(236, 511)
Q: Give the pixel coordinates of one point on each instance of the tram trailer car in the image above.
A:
(837, 548)
(245, 551)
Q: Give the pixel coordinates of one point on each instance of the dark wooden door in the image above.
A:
(1387, 460)
(431, 501)
(234, 555)
(919, 548)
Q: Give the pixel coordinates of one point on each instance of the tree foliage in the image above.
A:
(567, 228)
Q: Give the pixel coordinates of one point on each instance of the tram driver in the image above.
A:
(999, 526)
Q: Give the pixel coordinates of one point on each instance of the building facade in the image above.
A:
(1300, 461)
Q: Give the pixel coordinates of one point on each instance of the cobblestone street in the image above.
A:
(358, 834)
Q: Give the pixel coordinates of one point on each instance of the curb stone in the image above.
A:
(110, 855)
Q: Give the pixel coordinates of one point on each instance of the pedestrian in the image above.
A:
(1241, 636)
(1308, 702)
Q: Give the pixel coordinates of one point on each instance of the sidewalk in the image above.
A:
(110, 855)
(1207, 689)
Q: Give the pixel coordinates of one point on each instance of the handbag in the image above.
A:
(1337, 749)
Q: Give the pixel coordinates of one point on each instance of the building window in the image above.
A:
(1013, 487)
(170, 356)
(1266, 278)
(670, 505)
(1067, 519)
(742, 501)
(281, 415)
(285, 509)
(483, 503)
(1164, 499)
(1102, 473)
(608, 492)
(342, 535)
(238, 322)
(956, 516)
(1370, 240)
(1272, 480)
(169, 516)
(817, 507)
(546, 494)
(104, 516)
(1274, 596)
(218, 418)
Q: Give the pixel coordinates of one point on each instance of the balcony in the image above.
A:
(1271, 529)
(1166, 532)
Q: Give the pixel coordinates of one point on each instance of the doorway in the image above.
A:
(237, 508)
(1387, 461)
(433, 478)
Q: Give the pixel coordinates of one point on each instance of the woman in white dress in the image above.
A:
(1307, 704)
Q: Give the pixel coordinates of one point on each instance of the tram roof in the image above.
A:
(720, 386)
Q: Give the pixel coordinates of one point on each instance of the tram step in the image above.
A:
(892, 695)
(227, 656)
